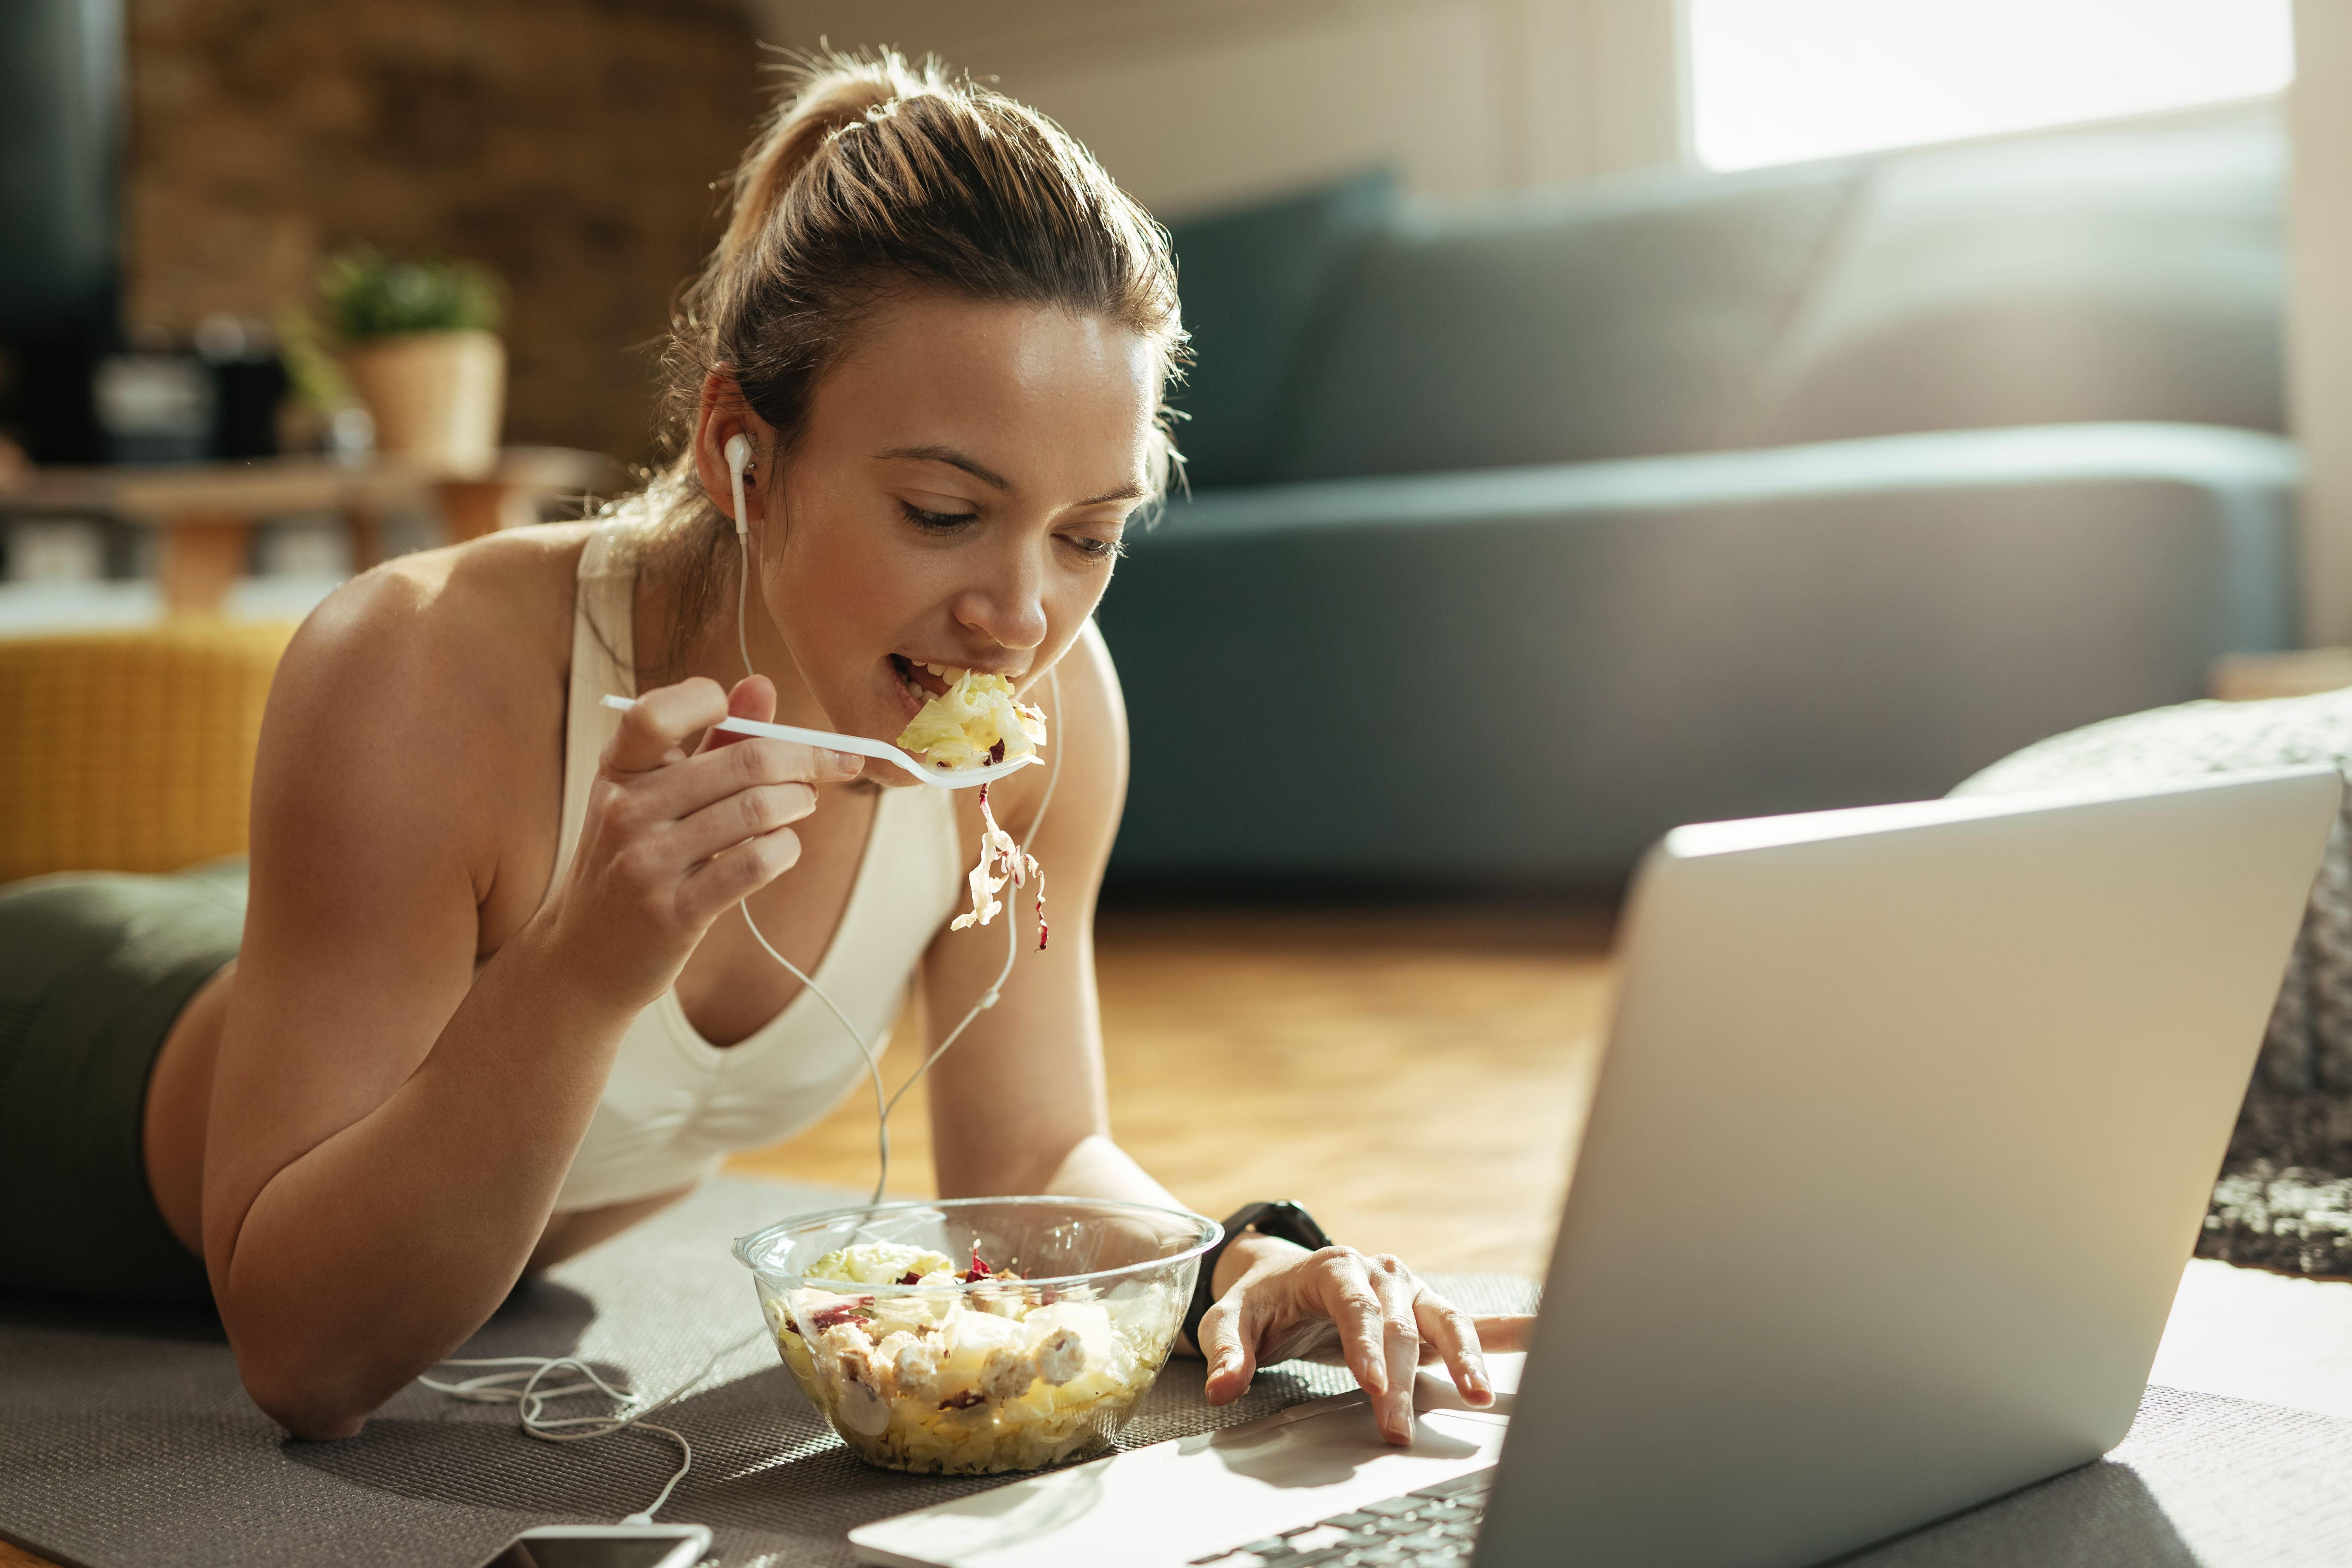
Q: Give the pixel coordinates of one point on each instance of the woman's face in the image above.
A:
(955, 501)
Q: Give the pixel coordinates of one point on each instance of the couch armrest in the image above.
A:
(1669, 639)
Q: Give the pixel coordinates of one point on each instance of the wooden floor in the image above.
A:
(1415, 1078)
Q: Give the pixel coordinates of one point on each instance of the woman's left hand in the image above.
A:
(1280, 1299)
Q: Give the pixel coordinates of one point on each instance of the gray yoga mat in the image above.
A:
(125, 1439)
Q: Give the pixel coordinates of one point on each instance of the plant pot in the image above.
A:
(436, 397)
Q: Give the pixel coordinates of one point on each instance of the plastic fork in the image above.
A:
(881, 751)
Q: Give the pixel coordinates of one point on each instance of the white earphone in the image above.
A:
(738, 458)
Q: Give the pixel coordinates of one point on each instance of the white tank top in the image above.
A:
(675, 1103)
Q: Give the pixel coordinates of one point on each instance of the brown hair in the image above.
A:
(870, 177)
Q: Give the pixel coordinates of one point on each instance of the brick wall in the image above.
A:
(569, 143)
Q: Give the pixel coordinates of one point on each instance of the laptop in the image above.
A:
(1904, 1133)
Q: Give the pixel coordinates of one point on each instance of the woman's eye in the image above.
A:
(1097, 549)
(942, 520)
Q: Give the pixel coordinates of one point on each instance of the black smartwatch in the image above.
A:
(1284, 1221)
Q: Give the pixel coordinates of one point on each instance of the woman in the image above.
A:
(493, 1001)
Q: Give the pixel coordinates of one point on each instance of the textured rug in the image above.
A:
(125, 1439)
(2288, 1220)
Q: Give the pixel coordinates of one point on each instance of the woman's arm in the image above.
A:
(1018, 1104)
(388, 1129)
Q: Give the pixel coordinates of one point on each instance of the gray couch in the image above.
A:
(1519, 532)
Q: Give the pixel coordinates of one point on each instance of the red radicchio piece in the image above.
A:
(996, 753)
(910, 1277)
(979, 1269)
(851, 1310)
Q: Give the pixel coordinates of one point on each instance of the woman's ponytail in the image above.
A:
(833, 96)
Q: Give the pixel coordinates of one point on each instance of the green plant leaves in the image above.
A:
(368, 295)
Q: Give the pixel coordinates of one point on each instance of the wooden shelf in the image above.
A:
(205, 513)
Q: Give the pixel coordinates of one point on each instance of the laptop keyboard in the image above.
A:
(1433, 1526)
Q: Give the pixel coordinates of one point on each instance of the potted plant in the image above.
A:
(420, 347)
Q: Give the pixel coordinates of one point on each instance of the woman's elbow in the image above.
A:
(303, 1406)
(312, 1402)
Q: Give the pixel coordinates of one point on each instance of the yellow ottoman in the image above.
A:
(130, 750)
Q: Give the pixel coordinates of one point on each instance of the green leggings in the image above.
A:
(94, 967)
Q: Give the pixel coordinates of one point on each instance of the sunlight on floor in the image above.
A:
(1416, 1078)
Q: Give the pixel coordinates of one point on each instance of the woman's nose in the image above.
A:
(1010, 609)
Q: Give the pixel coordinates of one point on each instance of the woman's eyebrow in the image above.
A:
(953, 458)
(1131, 491)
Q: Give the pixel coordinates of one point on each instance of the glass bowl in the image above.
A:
(1040, 1358)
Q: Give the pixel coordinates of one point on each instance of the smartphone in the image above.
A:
(605, 1546)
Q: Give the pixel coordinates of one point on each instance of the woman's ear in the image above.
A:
(728, 440)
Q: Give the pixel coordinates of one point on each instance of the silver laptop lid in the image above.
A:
(1904, 1133)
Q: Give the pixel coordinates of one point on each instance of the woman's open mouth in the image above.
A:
(921, 682)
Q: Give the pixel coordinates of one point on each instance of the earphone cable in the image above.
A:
(1011, 927)
(883, 1106)
(857, 1036)
(531, 1403)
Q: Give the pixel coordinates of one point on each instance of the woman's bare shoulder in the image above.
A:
(481, 611)
(421, 700)
(471, 641)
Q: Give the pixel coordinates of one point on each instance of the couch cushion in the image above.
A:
(2114, 274)
(1560, 327)
(1251, 281)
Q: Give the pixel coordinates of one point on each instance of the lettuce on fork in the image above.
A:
(963, 726)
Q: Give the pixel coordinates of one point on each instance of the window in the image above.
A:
(1773, 81)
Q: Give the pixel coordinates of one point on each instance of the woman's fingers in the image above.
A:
(715, 772)
(1340, 1285)
(1395, 1288)
(687, 821)
(1232, 1355)
(732, 818)
(1451, 1334)
(753, 697)
(654, 730)
(1386, 1319)
(734, 875)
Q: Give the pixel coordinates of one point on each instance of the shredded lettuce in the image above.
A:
(962, 726)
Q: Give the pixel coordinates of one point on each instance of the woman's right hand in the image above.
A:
(678, 832)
